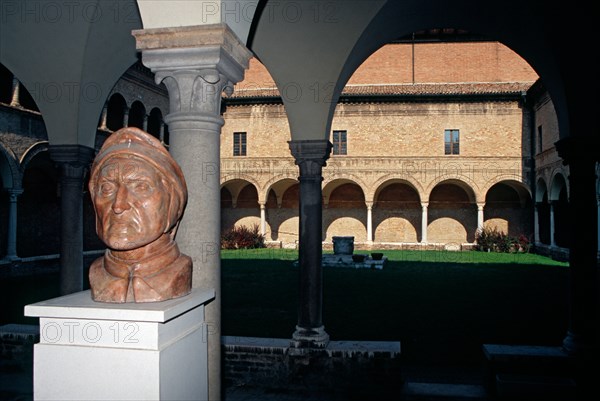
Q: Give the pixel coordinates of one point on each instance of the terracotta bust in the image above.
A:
(139, 194)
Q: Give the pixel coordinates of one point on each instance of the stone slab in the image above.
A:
(81, 306)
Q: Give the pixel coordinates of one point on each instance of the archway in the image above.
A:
(345, 213)
(508, 208)
(115, 114)
(397, 213)
(452, 213)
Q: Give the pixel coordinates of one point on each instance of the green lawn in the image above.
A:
(441, 305)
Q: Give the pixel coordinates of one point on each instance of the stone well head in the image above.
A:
(343, 245)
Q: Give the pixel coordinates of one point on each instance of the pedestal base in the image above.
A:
(145, 351)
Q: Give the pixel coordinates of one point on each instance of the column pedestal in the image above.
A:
(135, 351)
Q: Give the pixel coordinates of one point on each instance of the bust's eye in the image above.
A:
(107, 188)
(141, 187)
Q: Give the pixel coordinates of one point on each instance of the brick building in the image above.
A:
(416, 158)
(431, 140)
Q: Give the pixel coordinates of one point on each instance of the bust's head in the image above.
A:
(138, 191)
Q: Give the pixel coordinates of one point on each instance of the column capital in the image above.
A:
(311, 155)
(76, 155)
(424, 204)
(196, 63)
(577, 149)
(369, 204)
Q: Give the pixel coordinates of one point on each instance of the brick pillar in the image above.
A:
(196, 64)
(310, 156)
(73, 162)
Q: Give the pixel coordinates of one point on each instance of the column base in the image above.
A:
(310, 337)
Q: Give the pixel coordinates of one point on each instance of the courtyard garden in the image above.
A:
(440, 305)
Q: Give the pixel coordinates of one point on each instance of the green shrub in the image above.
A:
(242, 237)
(490, 239)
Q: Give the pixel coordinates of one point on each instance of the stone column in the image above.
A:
(480, 220)
(424, 221)
(369, 222)
(126, 117)
(536, 223)
(310, 156)
(73, 162)
(552, 240)
(161, 135)
(581, 340)
(197, 63)
(145, 123)
(263, 218)
(103, 118)
(11, 238)
(16, 87)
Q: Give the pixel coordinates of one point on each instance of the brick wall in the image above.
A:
(432, 62)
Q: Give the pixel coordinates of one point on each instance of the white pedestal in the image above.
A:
(100, 351)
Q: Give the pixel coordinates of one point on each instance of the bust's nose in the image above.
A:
(121, 203)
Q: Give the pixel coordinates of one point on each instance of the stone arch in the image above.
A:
(115, 112)
(452, 212)
(371, 192)
(558, 197)
(508, 208)
(278, 185)
(155, 121)
(39, 205)
(137, 115)
(396, 212)
(239, 200)
(541, 190)
(345, 213)
(10, 171)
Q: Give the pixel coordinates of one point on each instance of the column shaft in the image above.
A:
(370, 222)
(310, 157)
(15, 101)
(263, 219)
(581, 339)
(536, 224)
(480, 219)
(73, 161)
(196, 64)
(11, 240)
(552, 239)
(424, 222)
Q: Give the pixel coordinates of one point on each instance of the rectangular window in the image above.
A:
(540, 148)
(451, 142)
(239, 144)
(340, 143)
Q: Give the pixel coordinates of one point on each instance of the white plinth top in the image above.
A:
(81, 306)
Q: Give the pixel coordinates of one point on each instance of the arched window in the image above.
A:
(115, 112)
(137, 114)
(154, 122)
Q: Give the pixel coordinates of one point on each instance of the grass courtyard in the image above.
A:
(441, 305)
